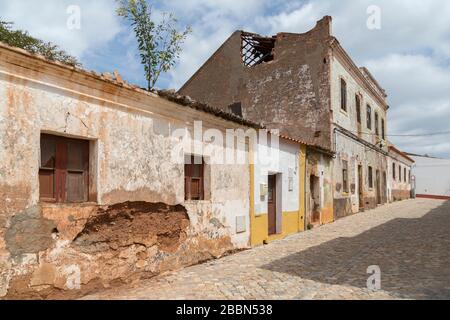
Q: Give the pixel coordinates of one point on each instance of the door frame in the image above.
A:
(278, 195)
(361, 186)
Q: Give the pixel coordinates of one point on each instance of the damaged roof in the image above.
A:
(169, 95)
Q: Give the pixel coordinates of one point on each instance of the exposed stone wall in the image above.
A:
(140, 224)
(290, 93)
(319, 188)
(399, 195)
(356, 154)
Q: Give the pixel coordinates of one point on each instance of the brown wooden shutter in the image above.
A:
(68, 179)
(194, 180)
(47, 168)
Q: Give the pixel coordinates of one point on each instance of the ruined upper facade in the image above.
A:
(289, 82)
(282, 81)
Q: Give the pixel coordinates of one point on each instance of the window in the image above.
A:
(393, 171)
(404, 174)
(236, 108)
(345, 176)
(369, 117)
(400, 173)
(409, 176)
(383, 130)
(377, 127)
(358, 108)
(370, 177)
(194, 178)
(64, 169)
(343, 95)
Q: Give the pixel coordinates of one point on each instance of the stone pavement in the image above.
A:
(409, 241)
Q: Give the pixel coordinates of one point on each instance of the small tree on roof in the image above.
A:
(159, 43)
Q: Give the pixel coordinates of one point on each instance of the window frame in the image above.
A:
(370, 177)
(344, 104)
(377, 124)
(62, 171)
(345, 184)
(188, 178)
(358, 104)
(394, 171)
(369, 117)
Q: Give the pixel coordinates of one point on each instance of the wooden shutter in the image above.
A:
(47, 168)
(194, 180)
(64, 169)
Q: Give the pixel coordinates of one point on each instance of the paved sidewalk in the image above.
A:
(409, 241)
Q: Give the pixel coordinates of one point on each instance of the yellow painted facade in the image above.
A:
(292, 222)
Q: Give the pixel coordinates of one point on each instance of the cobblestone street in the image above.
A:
(409, 241)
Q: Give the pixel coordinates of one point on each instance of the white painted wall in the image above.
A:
(278, 161)
(432, 176)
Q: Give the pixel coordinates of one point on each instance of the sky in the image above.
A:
(409, 54)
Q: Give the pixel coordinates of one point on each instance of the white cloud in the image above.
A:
(409, 55)
(47, 19)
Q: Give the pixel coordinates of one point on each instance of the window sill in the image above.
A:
(46, 204)
(197, 201)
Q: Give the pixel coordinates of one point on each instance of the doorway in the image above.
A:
(378, 187)
(272, 204)
(314, 185)
(360, 187)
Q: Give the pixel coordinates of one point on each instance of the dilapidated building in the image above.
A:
(91, 195)
(399, 172)
(308, 87)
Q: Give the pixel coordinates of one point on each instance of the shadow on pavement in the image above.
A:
(413, 255)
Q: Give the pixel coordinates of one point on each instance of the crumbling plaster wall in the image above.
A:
(356, 154)
(348, 149)
(398, 190)
(290, 93)
(41, 255)
(319, 166)
(348, 119)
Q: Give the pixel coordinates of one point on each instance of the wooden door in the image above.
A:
(272, 204)
(360, 188)
(378, 187)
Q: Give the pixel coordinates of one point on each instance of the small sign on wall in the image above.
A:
(241, 224)
(263, 189)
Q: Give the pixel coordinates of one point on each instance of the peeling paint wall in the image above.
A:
(138, 223)
(290, 93)
(399, 187)
(319, 189)
(360, 195)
